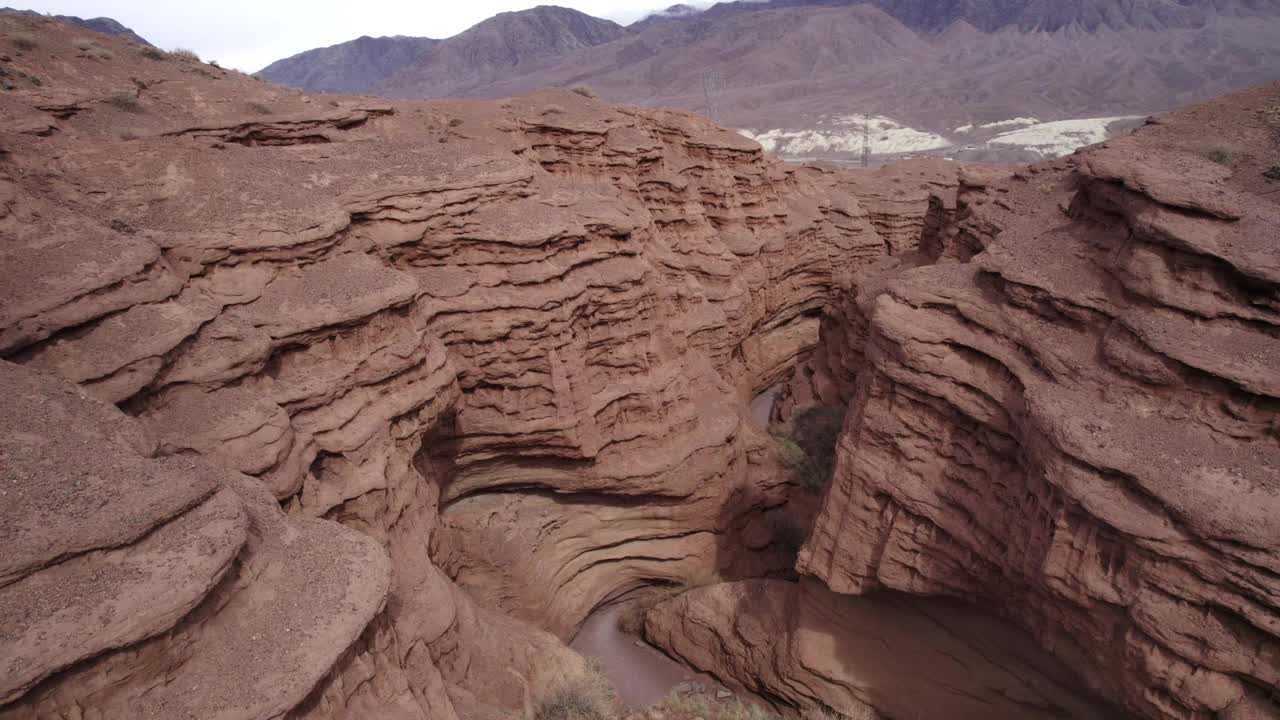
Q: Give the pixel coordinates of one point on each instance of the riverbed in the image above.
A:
(640, 673)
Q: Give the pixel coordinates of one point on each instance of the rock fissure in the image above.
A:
(413, 391)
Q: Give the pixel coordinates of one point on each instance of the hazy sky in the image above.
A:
(249, 34)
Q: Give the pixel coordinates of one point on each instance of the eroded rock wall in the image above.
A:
(508, 346)
(1078, 427)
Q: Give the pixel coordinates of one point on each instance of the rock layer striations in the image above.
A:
(507, 345)
(1064, 408)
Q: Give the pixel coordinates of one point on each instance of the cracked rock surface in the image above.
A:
(322, 408)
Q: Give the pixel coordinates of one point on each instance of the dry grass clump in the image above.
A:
(584, 91)
(23, 41)
(688, 705)
(90, 47)
(862, 712)
(553, 110)
(152, 53)
(1219, 154)
(260, 108)
(807, 444)
(184, 55)
(588, 696)
(1271, 115)
(125, 103)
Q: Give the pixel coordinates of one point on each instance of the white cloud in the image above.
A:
(249, 34)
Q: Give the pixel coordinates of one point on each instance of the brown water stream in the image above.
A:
(640, 673)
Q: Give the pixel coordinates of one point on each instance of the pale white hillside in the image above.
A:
(844, 134)
(1062, 137)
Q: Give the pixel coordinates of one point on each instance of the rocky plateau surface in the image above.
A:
(325, 407)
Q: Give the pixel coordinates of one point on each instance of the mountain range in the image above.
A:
(98, 24)
(802, 65)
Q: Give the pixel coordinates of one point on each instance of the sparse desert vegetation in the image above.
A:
(24, 42)
(125, 102)
(260, 108)
(152, 53)
(584, 91)
(588, 696)
(807, 443)
(184, 54)
(1219, 154)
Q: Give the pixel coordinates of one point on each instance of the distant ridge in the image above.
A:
(493, 49)
(98, 24)
(355, 67)
(794, 65)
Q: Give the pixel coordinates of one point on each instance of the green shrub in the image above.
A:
(807, 444)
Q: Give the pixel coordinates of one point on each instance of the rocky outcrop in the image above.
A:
(1077, 427)
(509, 344)
(146, 562)
(867, 657)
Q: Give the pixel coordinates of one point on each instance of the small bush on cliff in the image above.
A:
(1271, 116)
(184, 54)
(807, 444)
(1219, 154)
(125, 102)
(588, 696)
(152, 53)
(23, 42)
(584, 91)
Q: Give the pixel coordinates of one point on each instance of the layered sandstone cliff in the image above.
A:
(327, 408)
(503, 350)
(1063, 408)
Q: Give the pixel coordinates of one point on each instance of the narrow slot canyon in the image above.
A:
(412, 422)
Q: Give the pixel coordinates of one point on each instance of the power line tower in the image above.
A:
(708, 94)
(866, 141)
